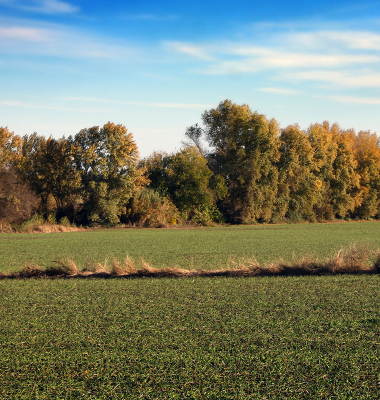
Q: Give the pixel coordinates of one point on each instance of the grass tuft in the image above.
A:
(66, 266)
(129, 265)
(353, 260)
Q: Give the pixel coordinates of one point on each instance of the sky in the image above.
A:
(156, 66)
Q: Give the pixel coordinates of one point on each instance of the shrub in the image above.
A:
(149, 208)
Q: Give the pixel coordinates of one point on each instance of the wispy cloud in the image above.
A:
(22, 104)
(356, 100)
(338, 57)
(360, 78)
(28, 34)
(26, 37)
(137, 103)
(192, 50)
(335, 40)
(41, 6)
(276, 90)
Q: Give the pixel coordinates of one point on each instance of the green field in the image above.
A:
(311, 337)
(185, 247)
(222, 338)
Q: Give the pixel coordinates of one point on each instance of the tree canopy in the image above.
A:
(239, 167)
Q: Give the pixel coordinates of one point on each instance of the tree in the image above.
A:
(185, 178)
(367, 154)
(244, 151)
(323, 142)
(17, 201)
(344, 185)
(107, 160)
(10, 147)
(47, 166)
(297, 188)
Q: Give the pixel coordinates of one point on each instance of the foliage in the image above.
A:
(9, 147)
(185, 178)
(148, 208)
(17, 201)
(47, 167)
(297, 185)
(244, 152)
(239, 168)
(345, 184)
(367, 154)
(106, 159)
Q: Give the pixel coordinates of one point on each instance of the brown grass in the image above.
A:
(53, 228)
(65, 267)
(5, 227)
(40, 228)
(354, 260)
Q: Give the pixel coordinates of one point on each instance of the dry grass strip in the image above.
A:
(355, 260)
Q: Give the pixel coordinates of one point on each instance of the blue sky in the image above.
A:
(155, 66)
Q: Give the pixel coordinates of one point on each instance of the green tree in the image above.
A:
(185, 178)
(297, 189)
(47, 166)
(107, 160)
(244, 150)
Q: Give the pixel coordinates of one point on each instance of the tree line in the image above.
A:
(237, 167)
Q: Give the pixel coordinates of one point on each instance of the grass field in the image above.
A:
(231, 338)
(311, 337)
(201, 247)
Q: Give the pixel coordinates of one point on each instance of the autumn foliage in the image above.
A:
(238, 167)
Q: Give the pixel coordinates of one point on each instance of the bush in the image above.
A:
(149, 208)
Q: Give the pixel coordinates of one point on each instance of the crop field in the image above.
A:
(310, 337)
(186, 247)
(221, 338)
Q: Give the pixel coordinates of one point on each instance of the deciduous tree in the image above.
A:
(107, 160)
(244, 152)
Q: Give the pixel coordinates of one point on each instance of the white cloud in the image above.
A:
(140, 104)
(339, 57)
(176, 105)
(286, 61)
(330, 39)
(275, 90)
(41, 6)
(28, 34)
(189, 49)
(356, 100)
(22, 104)
(25, 37)
(352, 79)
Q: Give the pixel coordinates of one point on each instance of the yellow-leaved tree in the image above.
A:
(367, 154)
